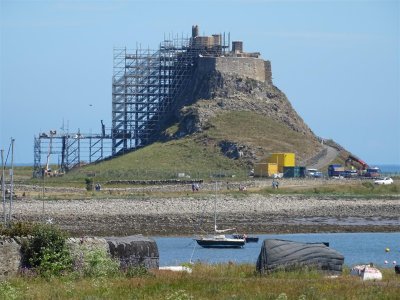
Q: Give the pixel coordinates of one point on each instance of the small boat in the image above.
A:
(248, 239)
(219, 240)
(366, 272)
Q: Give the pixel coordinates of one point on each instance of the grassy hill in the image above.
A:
(164, 161)
(199, 155)
(262, 133)
(220, 125)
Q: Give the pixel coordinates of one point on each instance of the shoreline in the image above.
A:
(191, 215)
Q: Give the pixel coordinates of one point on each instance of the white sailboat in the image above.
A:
(219, 240)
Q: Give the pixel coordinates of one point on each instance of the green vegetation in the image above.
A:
(199, 155)
(97, 263)
(17, 229)
(351, 189)
(225, 281)
(261, 131)
(43, 247)
(161, 161)
(46, 252)
(23, 173)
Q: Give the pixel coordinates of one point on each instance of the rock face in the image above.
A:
(134, 251)
(10, 257)
(223, 84)
(287, 255)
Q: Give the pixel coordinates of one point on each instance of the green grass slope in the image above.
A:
(199, 155)
(261, 133)
(163, 161)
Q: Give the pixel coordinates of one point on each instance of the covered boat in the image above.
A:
(278, 254)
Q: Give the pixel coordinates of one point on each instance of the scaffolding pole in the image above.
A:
(147, 82)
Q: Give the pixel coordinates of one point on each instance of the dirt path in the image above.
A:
(329, 154)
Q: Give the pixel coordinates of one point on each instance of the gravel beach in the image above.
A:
(194, 213)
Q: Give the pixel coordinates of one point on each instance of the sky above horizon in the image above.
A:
(336, 61)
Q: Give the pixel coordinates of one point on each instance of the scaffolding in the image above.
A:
(147, 82)
(145, 85)
(66, 151)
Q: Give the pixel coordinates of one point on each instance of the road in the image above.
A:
(329, 154)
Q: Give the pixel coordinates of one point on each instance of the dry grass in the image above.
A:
(227, 281)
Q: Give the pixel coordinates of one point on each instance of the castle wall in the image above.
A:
(254, 68)
(268, 71)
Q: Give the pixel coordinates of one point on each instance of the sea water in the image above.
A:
(357, 248)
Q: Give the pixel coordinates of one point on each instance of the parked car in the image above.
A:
(314, 173)
(318, 175)
(384, 181)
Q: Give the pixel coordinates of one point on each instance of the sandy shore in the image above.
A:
(249, 213)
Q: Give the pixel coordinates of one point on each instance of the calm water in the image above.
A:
(390, 168)
(356, 248)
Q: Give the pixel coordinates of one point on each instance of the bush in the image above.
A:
(89, 184)
(99, 264)
(17, 229)
(46, 251)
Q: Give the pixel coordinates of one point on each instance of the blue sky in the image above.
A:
(337, 62)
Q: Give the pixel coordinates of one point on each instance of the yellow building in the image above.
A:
(265, 169)
(282, 160)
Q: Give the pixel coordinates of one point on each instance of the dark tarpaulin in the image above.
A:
(287, 255)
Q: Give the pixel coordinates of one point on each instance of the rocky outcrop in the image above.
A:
(134, 251)
(10, 257)
(211, 92)
(233, 93)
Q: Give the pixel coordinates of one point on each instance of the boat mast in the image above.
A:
(11, 179)
(215, 208)
(3, 192)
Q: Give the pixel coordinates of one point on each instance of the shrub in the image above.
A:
(46, 251)
(89, 184)
(17, 229)
(98, 264)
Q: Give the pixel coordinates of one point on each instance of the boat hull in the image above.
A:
(220, 243)
(252, 240)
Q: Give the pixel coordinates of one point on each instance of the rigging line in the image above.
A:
(199, 228)
(8, 153)
(189, 244)
(191, 257)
